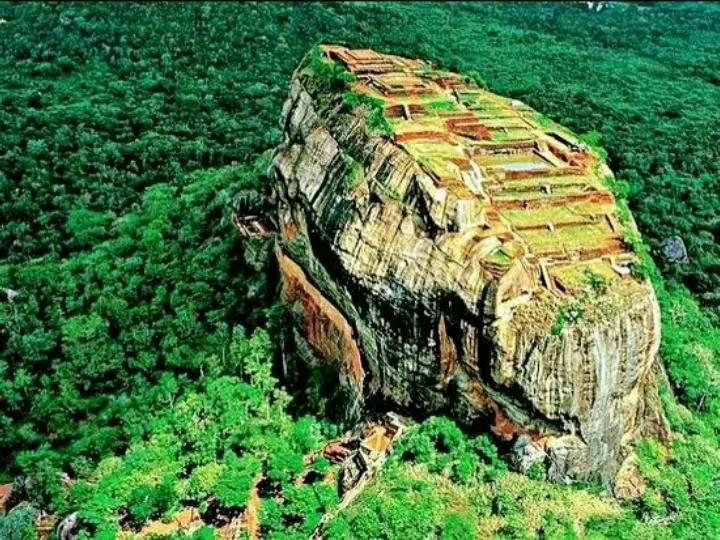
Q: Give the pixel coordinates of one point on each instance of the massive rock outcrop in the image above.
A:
(453, 251)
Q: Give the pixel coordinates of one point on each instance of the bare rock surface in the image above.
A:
(453, 251)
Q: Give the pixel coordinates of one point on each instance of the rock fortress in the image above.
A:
(452, 251)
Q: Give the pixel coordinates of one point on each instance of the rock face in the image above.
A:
(452, 251)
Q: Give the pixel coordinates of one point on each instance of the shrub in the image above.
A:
(376, 121)
(203, 480)
(329, 75)
(151, 501)
(19, 524)
(458, 527)
(234, 485)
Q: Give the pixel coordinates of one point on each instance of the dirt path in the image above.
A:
(251, 521)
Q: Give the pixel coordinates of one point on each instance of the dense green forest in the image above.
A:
(136, 320)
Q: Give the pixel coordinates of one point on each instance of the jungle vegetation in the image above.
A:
(136, 319)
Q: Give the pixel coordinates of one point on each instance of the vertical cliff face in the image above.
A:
(453, 251)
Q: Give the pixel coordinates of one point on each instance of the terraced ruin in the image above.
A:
(500, 169)
(454, 251)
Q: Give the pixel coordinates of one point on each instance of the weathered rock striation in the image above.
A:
(453, 251)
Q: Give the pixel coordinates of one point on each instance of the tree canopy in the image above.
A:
(138, 330)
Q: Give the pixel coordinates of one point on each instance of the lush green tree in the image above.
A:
(215, 443)
(19, 524)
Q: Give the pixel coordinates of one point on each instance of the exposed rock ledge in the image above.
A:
(470, 263)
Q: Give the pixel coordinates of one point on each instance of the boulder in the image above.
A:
(629, 485)
(6, 491)
(673, 249)
(68, 526)
(444, 249)
(527, 453)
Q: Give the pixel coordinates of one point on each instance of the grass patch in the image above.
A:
(567, 315)
(500, 257)
(441, 105)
